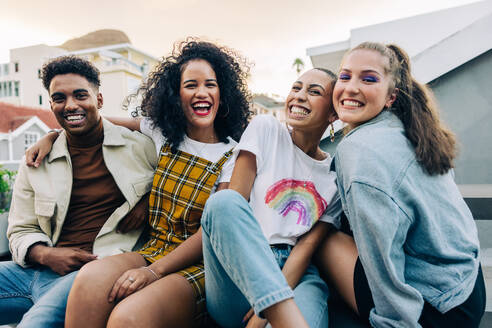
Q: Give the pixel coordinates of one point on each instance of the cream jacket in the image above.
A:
(41, 195)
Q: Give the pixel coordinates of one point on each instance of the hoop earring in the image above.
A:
(332, 133)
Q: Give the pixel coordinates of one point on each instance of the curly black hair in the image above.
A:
(67, 65)
(160, 92)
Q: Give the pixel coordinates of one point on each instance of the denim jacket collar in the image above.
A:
(385, 114)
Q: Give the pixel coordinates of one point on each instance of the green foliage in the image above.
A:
(6, 183)
(298, 64)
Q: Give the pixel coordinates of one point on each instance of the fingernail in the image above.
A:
(36, 164)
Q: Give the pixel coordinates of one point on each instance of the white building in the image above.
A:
(20, 127)
(122, 69)
(263, 104)
(419, 35)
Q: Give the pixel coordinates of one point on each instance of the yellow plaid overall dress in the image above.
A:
(181, 186)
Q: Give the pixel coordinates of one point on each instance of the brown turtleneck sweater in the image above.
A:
(95, 195)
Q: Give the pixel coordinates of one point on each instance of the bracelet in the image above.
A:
(151, 271)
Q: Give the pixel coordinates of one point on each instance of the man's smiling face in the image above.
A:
(75, 103)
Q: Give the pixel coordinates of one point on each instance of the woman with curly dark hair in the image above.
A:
(195, 106)
(161, 94)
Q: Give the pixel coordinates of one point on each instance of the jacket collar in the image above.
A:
(384, 115)
(112, 137)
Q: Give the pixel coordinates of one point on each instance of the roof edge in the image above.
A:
(30, 122)
(431, 64)
(111, 47)
(328, 48)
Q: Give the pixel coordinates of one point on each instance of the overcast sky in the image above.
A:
(270, 33)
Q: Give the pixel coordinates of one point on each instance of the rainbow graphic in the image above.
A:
(299, 196)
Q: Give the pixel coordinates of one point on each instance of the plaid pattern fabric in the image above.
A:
(182, 184)
(195, 275)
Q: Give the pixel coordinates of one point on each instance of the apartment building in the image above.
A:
(122, 67)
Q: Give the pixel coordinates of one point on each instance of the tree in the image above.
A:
(299, 65)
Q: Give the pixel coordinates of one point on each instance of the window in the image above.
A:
(9, 94)
(4, 69)
(40, 100)
(16, 88)
(16, 67)
(30, 139)
(1, 90)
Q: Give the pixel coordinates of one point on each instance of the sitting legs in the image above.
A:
(336, 258)
(167, 302)
(240, 268)
(88, 304)
(34, 296)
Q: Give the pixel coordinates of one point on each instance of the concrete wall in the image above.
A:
(466, 107)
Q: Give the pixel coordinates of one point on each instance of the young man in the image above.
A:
(73, 207)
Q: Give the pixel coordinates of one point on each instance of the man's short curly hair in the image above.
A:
(70, 64)
(161, 100)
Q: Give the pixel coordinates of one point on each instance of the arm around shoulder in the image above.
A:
(127, 122)
(37, 152)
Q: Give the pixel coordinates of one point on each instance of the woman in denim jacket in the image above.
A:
(415, 260)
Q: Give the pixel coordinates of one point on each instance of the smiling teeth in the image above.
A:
(298, 110)
(352, 103)
(74, 117)
(201, 105)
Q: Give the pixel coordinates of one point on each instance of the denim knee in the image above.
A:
(220, 206)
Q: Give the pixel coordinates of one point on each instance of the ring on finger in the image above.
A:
(131, 279)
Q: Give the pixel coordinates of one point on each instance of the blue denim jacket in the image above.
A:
(415, 235)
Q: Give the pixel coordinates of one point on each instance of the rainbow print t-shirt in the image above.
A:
(292, 191)
(301, 197)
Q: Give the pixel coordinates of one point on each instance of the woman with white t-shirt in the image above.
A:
(258, 254)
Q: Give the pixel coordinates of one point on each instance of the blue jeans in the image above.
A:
(37, 297)
(242, 271)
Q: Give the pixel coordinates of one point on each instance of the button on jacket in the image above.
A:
(41, 195)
